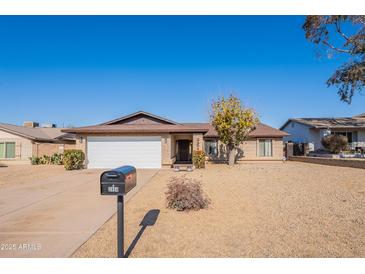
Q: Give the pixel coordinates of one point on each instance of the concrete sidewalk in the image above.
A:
(54, 216)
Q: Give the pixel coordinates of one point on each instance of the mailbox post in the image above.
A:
(119, 182)
(120, 226)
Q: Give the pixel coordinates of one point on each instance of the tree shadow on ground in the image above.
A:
(148, 220)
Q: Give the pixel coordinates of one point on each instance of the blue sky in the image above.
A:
(86, 70)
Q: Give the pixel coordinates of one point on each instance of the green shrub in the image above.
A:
(41, 160)
(34, 160)
(185, 194)
(57, 159)
(335, 143)
(199, 159)
(73, 159)
(45, 160)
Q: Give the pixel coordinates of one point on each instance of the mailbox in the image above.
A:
(118, 181)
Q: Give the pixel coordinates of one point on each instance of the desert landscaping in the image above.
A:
(27, 173)
(257, 210)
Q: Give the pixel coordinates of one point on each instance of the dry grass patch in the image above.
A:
(20, 174)
(257, 210)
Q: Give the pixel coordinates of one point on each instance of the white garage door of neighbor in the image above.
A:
(116, 151)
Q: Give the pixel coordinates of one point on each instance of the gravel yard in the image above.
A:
(20, 174)
(258, 210)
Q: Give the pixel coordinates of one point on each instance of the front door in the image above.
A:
(183, 149)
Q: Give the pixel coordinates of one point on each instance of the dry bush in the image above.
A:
(335, 143)
(185, 194)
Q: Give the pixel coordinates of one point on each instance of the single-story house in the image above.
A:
(149, 141)
(20, 143)
(312, 130)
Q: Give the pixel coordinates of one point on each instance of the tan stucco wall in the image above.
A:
(81, 143)
(249, 150)
(198, 141)
(167, 157)
(6, 135)
(168, 146)
(23, 146)
(40, 149)
(355, 163)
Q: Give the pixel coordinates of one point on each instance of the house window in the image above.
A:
(7, 150)
(347, 134)
(265, 148)
(211, 147)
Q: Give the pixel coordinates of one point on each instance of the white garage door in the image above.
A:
(112, 152)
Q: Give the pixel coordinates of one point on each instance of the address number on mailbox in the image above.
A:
(118, 181)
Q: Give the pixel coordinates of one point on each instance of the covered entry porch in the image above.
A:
(184, 151)
(183, 147)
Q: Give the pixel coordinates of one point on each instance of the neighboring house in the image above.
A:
(149, 141)
(312, 130)
(19, 143)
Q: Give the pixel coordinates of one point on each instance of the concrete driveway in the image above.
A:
(54, 216)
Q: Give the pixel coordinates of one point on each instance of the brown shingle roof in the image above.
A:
(361, 116)
(261, 130)
(37, 133)
(135, 128)
(138, 113)
(117, 126)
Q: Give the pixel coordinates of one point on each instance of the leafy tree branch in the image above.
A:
(350, 77)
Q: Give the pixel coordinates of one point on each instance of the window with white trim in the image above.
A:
(351, 136)
(7, 150)
(211, 147)
(265, 148)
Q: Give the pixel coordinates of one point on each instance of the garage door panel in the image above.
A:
(111, 152)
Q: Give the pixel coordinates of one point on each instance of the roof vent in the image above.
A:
(30, 124)
(49, 125)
